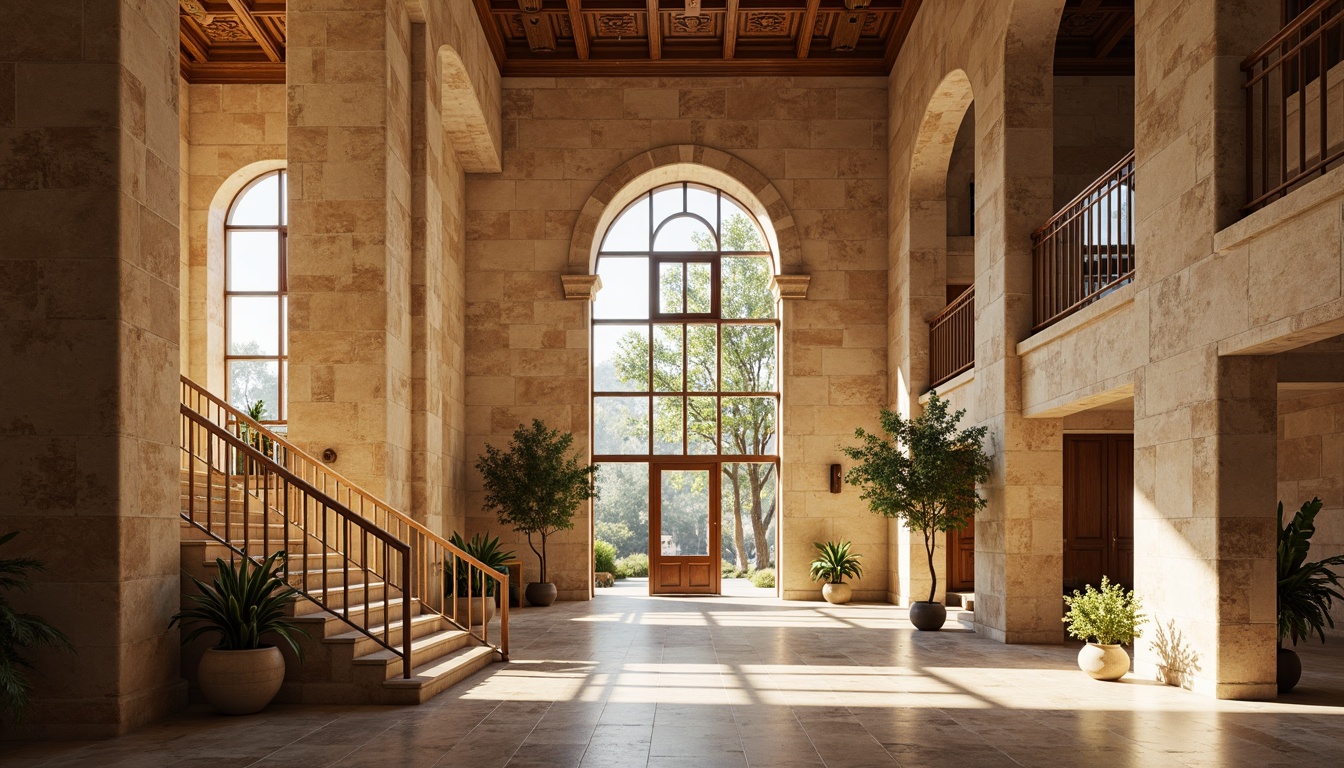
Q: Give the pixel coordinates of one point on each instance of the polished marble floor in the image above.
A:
(628, 680)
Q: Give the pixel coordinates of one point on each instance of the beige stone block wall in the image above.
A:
(89, 285)
(1094, 128)
(820, 142)
(230, 135)
(1311, 464)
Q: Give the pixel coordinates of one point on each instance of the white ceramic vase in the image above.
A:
(1103, 662)
(836, 594)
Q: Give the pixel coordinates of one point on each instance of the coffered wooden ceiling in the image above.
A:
(1096, 37)
(696, 37)
(232, 41)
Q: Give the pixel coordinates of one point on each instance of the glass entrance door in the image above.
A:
(684, 529)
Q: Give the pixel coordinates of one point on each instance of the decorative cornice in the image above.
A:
(790, 286)
(580, 287)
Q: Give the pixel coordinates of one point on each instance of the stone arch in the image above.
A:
(465, 107)
(685, 162)
(205, 300)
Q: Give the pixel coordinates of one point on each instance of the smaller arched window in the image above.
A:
(256, 348)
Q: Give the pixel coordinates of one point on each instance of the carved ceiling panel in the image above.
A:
(232, 41)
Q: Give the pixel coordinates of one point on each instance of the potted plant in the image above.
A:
(922, 472)
(536, 486)
(488, 551)
(243, 604)
(834, 562)
(1305, 590)
(18, 633)
(1107, 620)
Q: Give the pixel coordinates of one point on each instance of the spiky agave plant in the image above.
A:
(241, 604)
(834, 562)
(18, 632)
(1306, 590)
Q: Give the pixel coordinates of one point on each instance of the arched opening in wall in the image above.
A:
(256, 303)
(686, 394)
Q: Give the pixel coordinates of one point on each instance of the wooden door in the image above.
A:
(684, 523)
(1098, 510)
(961, 560)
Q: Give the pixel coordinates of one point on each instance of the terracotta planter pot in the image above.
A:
(1290, 669)
(241, 682)
(927, 616)
(475, 603)
(541, 593)
(836, 594)
(1103, 662)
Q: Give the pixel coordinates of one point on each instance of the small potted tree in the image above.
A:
(536, 486)
(922, 472)
(834, 562)
(1107, 620)
(244, 605)
(1305, 590)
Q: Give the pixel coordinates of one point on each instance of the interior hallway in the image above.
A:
(628, 680)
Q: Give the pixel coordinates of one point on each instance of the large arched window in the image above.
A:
(255, 301)
(686, 387)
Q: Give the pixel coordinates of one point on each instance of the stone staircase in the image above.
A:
(961, 607)
(341, 664)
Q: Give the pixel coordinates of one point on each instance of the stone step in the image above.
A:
(437, 676)
(424, 651)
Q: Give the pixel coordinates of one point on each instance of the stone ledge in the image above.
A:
(951, 385)
(1317, 192)
(1092, 313)
(790, 287)
(580, 287)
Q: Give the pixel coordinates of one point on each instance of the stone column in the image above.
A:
(89, 328)
(350, 239)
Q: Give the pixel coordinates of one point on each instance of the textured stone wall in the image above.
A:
(1094, 128)
(89, 289)
(819, 141)
(1311, 464)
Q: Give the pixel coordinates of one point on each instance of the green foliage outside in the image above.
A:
(1109, 616)
(243, 602)
(634, 566)
(604, 557)
(537, 485)
(1305, 590)
(749, 423)
(835, 562)
(19, 633)
(764, 578)
(922, 472)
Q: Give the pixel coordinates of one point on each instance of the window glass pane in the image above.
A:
(667, 358)
(669, 289)
(684, 512)
(749, 358)
(667, 202)
(258, 204)
(749, 425)
(630, 231)
(702, 358)
(699, 287)
(703, 202)
(621, 358)
(253, 381)
(254, 325)
(667, 425)
(620, 425)
(746, 293)
(254, 260)
(621, 511)
(702, 431)
(625, 289)
(740, 233)
(748, 499)
(684, 234)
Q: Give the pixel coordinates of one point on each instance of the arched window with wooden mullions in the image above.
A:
(685, 350)
(255, 299)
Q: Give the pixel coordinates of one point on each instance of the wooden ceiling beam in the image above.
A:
(580, 31)
(678, 67)
(254, 29)
(655, 31)
(730, 29)
(1111, 34)
(805, 28)
(900, 30)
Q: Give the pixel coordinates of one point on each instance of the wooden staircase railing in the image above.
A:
(323, 514)
(952, 339)
(1086, 250)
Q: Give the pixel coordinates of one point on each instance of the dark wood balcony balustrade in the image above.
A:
(952, 339)
(1087, 249)
(1293, 85)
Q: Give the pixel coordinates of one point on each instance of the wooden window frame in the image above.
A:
(281, 294)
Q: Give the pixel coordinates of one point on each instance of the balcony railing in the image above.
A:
(1293, 84)
(1087, 249)
(952, 338)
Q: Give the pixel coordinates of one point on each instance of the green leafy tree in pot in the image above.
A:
(536, 486)
(20, 632)
(922, 472)
(1106, 619)
(1306, 590)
